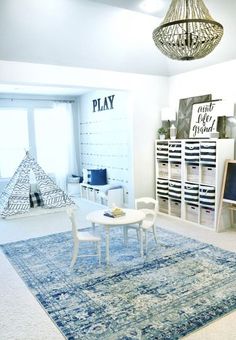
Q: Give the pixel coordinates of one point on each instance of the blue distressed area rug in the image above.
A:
(179, 287)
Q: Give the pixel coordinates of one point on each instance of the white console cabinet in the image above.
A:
(189, 178)
(103, 194)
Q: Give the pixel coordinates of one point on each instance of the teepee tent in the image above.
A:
(15, 198)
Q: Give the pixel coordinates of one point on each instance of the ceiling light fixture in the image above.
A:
(188, 31)
(151, 6)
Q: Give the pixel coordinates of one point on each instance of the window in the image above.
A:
(13, 139)
(54, 140)
(45, 129)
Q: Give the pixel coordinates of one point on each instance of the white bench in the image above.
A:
(108, 194)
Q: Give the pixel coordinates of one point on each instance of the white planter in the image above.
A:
(162, 137)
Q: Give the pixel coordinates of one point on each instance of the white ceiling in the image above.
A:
(41, 90)
(221, 11)
(100, 34)
(134, 5)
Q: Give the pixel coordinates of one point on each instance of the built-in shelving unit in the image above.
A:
(189, 178)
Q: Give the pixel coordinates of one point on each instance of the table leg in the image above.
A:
(125, 234)
(141, 239)
(107, 228)
(93, 226)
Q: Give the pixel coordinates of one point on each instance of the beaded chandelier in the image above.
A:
(188, 31)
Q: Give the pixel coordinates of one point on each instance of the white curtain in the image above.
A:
(55, 141)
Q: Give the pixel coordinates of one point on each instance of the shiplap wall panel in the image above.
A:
(104, 137)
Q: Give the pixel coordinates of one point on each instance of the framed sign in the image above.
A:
(185, 113)
(204, 120)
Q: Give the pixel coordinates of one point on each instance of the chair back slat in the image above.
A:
(71, 215)
(146, 203)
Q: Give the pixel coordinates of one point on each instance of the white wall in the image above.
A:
(104, 137)
(147, 95)
(218, 80)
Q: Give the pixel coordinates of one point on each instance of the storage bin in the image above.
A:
(175, 190)
(91, 194)
(192, 152)
(207, 195)
(207, 216)
(162, 150)
(208, 152)
(163, 205)
(175, 152)
(162, 169)
(162, 187)
(191, 193)
(175, 208)
(192, 172)
(83, 191)
(208, 174)
(97, 196)
(175, 171)
(192, 212)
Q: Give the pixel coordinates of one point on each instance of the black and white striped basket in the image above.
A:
(192, 151)
(191, 193)
(175, 152)
(207, 195)
(162, 151)
(175, 190)
(208, 152)
(162, 187)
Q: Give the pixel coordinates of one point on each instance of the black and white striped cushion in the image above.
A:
(36, 200)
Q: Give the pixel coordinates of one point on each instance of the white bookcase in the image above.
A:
(189, 177)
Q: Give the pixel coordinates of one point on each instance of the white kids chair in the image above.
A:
(82, 236)
(149, 206)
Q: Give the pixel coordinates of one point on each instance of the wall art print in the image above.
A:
(204, 120)
(185, 114)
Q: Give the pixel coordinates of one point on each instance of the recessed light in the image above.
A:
(151, 6)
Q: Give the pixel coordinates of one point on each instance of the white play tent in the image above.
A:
(15, 198)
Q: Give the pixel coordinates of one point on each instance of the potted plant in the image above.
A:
(162, 132)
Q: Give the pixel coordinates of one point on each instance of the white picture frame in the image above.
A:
(204, 119)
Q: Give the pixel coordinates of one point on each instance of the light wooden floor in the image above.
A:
(21, 316)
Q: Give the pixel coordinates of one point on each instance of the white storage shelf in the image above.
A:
(188, 184)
